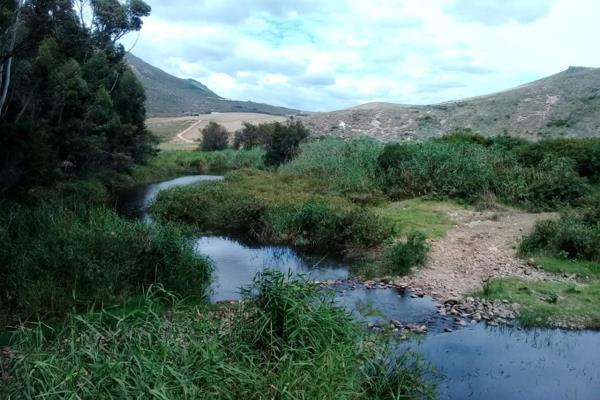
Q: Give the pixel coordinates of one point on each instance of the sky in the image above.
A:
(323, 55)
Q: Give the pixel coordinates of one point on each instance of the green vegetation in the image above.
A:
(214, 137)
(227, 207)
(401, 257)
(172, 163)
(566, 246)
(549, 303)
(72, 106)
(284, 341)
(56, 258)
(575, 235)
(463, 169)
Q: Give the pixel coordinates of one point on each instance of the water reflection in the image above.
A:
(237, 263)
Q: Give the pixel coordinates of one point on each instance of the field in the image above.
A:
(175, 133)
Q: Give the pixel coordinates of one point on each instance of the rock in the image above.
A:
(477, 317)
(396, 323)
(447, 329)
(452, 300)
(531, 262)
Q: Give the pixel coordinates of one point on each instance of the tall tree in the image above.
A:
(72, 100)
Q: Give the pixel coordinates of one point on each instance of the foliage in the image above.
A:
(463, 170)
(348, 167)
(213, 207)
(549, 303)
(283, 143)
(222, 207)
(214, 137)
(585, 154)
(400, 257)
(74, 106)
(319, 225)
(171, 163)
(251, 136)
(54, 258)
(285, 341)
(571, 236)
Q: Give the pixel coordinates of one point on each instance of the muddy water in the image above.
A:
(475, 362)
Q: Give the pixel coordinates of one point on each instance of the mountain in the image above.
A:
(167, 95)
(565, 104)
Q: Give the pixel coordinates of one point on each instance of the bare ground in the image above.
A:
(482, 246)
(185, 131)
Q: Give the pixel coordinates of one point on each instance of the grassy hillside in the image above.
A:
(167, 95)
(566, 104)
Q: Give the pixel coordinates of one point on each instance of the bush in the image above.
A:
(55, 258)
(348, 167)
(465, 171)
(584, 153)
(251, 136)
(316, 224)
(575, 235)
(471, 172)
(213, 207)
(214, 137)
(552, 184)
(401, 257)
(282, 145)
(218, 207)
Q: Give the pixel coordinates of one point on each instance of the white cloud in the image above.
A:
(323, 55)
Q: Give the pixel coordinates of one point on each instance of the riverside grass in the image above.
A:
(285, 341)
(58, 257)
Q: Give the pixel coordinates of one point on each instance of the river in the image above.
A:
(473, 362)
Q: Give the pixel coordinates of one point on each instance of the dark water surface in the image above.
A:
(476, 362)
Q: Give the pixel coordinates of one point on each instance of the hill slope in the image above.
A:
(565, 104)
(168, 95)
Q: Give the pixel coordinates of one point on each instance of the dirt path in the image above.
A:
(482, 246)
(190, 129)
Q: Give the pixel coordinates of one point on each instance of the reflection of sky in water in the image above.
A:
(508, 363)
(136, 202)
(236, 264)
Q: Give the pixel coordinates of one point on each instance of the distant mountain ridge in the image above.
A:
(168, 95)
(564, 104)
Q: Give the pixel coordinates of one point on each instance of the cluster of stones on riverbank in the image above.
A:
(461, 312)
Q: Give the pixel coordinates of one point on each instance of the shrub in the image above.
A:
(575, 235)
(585, 154)
(213, 207)
(348, 167)
(214, 137)
(401, 257)
(54, 258)
(459, 170)
(282, 145)
(471, 172)
(552, 184)
(316, 224)
(251, 136)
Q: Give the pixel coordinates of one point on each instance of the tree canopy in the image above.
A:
(73, 106)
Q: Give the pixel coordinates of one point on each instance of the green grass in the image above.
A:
(582, 269)
(172, 163)
(428, 216)
(283, 342)
(549, 303)
(55, 258)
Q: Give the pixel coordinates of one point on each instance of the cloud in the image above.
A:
(324, 55)
(497, 12)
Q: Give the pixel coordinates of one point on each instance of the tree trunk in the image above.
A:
(7, 64)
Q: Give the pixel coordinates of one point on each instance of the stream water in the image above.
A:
(474, 362)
